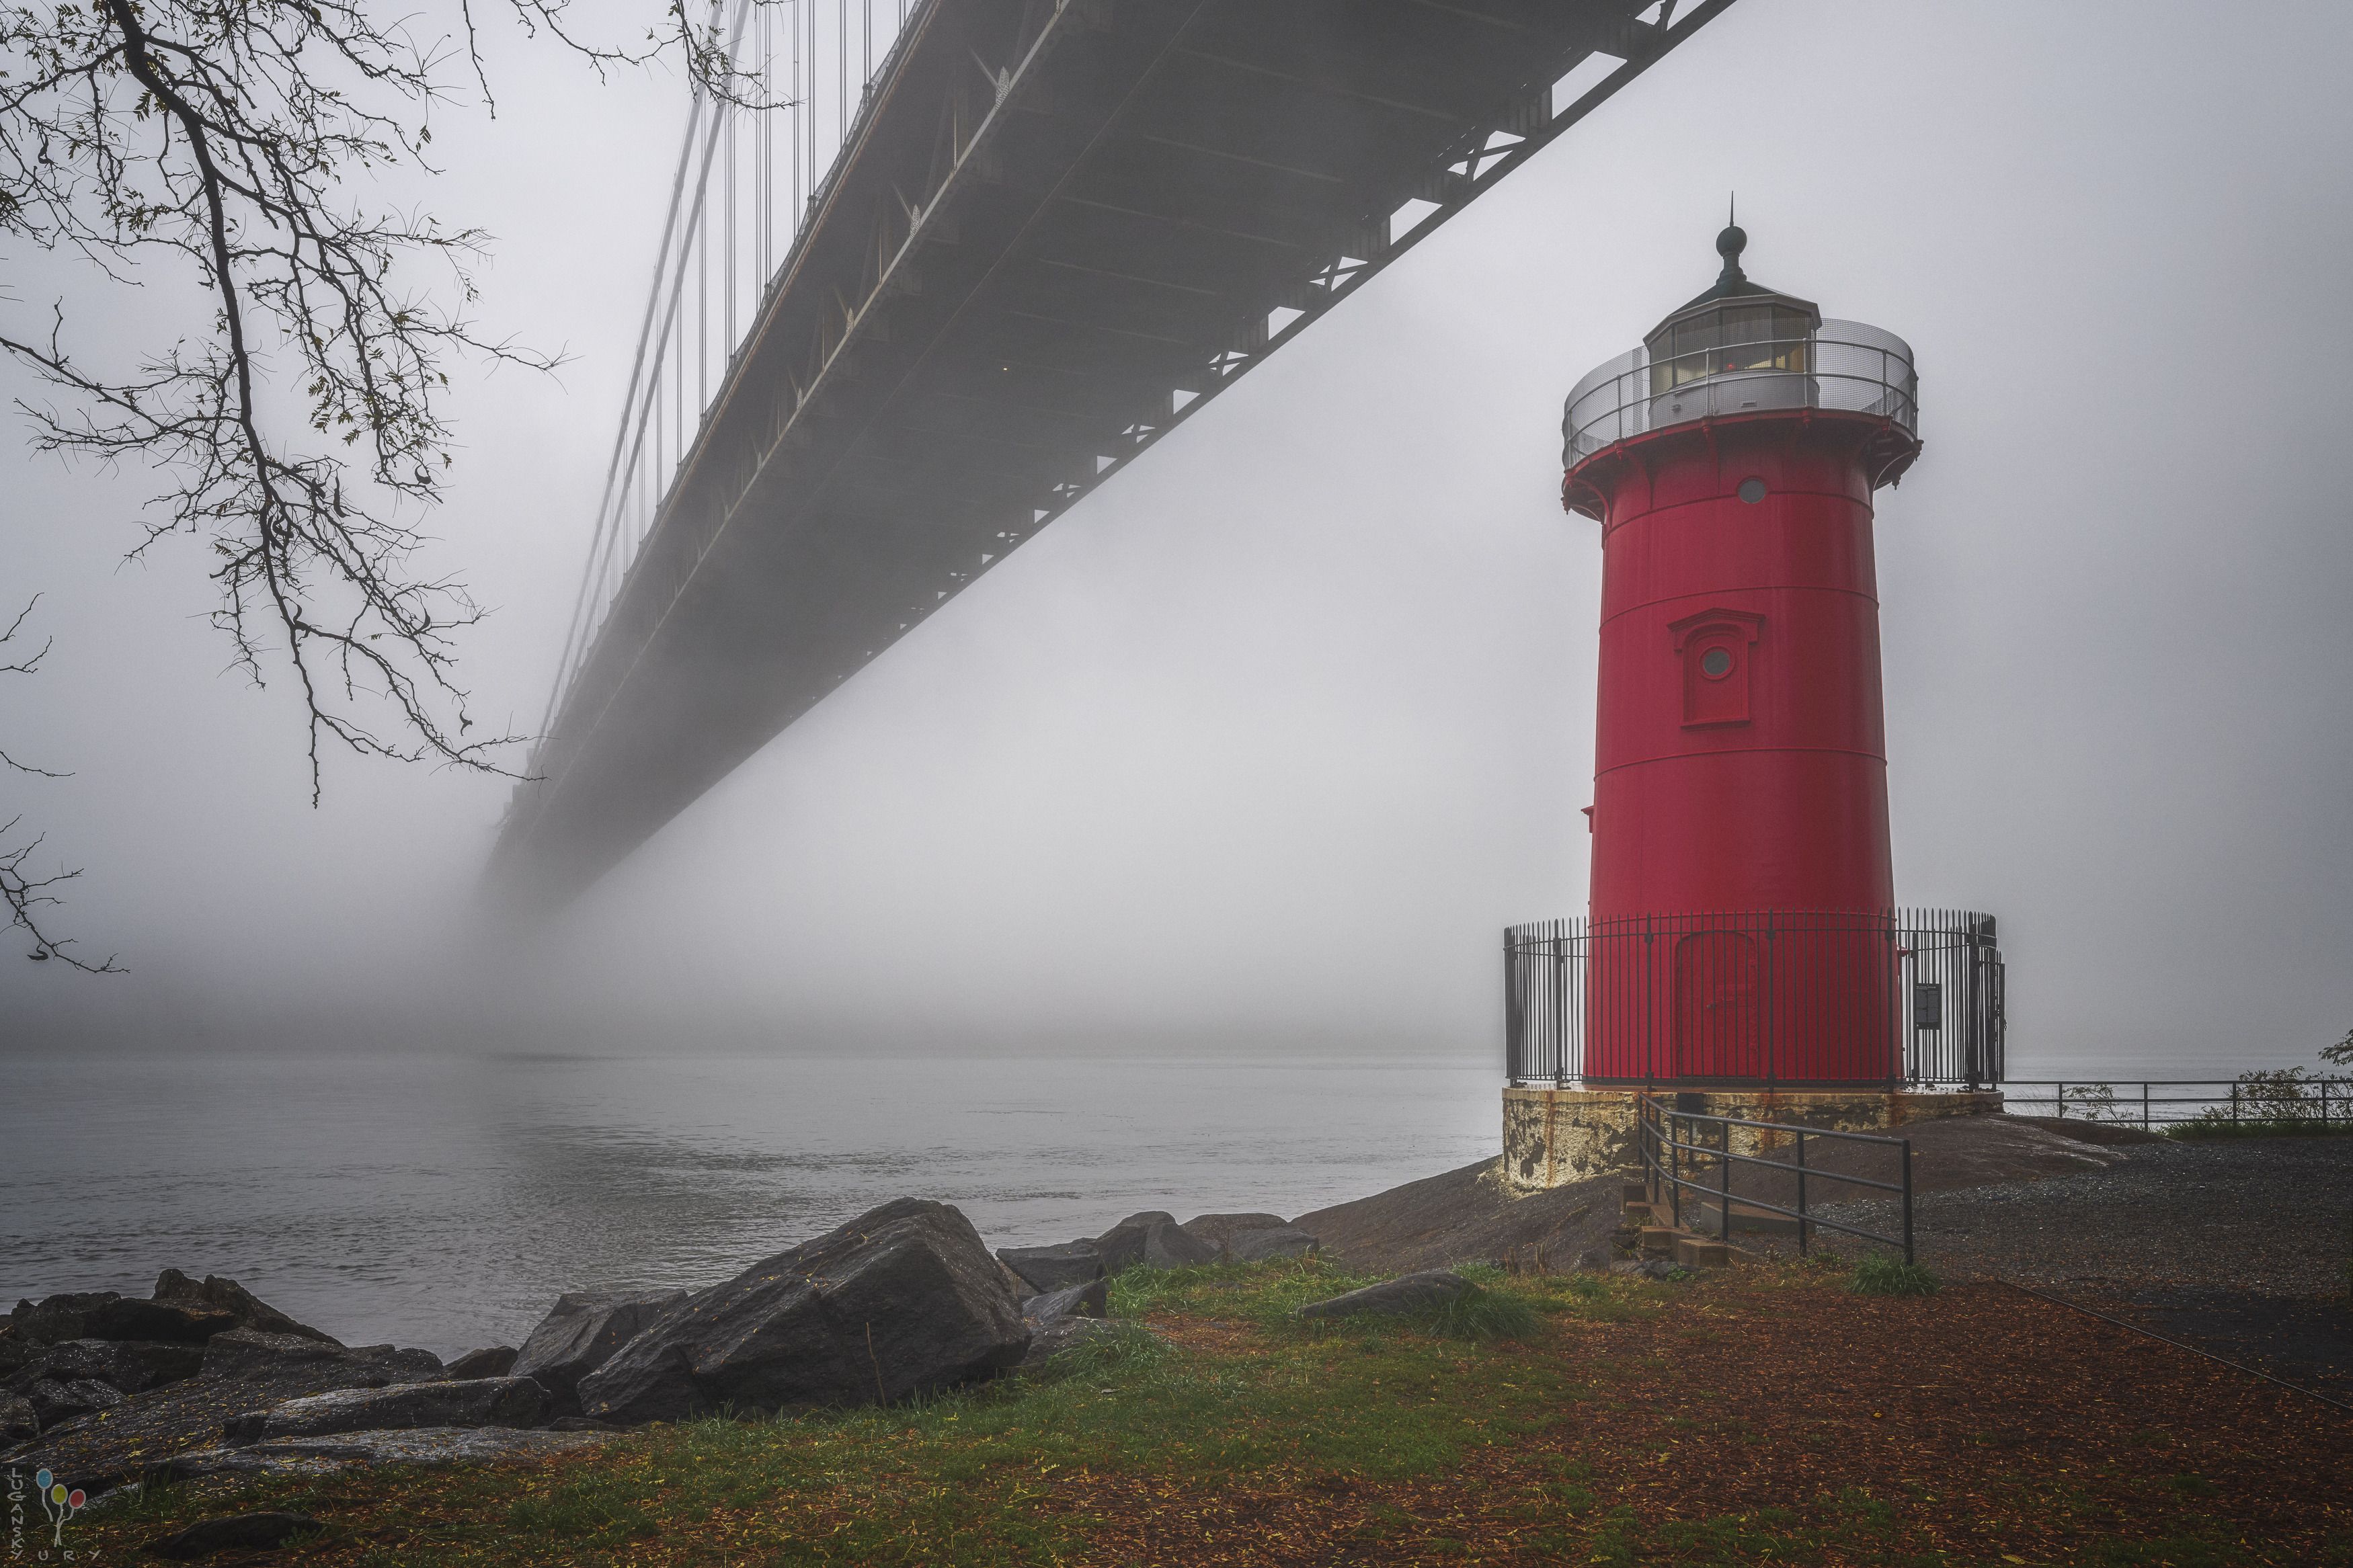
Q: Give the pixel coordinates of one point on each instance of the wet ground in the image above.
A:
(2242, 1248)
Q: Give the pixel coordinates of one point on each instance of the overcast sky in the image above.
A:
(1260, 747)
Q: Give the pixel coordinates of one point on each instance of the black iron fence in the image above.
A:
(1813, 997)
(2288, 1097)
(1690, 1154)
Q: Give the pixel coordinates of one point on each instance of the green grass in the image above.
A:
(1507, 1427)
(1885, 1274)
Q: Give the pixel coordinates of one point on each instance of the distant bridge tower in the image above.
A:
(1740, 816)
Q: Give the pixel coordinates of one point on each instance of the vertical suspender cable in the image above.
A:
(727, 268)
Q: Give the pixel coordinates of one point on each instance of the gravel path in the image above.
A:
(2267, 1215)
(2240, 1248)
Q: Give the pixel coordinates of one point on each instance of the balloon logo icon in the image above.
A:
(59, 1503)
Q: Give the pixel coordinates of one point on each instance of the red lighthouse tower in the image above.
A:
(1741, 925)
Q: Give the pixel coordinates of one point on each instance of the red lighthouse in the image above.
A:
(1742, 928)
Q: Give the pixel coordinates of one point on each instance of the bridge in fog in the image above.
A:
(982, 262)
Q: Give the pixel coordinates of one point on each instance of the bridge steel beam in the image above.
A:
(1058, 229)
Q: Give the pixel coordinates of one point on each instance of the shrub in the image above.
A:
(1885, 1274)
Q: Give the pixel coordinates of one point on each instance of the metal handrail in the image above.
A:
(1848, 366)
(1654, 1134)
(2326, 1101)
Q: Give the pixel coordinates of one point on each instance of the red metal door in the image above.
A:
(1716, 1021)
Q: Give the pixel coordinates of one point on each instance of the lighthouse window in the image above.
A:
(1737, 338)
(1752, 490)
(1715, 663)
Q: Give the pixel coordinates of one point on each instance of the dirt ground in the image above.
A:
(1765, 1422)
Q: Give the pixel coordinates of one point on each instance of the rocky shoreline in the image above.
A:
(202, 1379)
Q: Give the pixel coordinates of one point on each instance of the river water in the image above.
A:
(446, 1201)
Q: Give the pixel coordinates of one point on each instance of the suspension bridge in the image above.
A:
(985, 254)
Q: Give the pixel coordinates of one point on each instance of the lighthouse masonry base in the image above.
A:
(1553, 1137)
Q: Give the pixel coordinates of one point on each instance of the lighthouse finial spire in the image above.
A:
(1730, 243)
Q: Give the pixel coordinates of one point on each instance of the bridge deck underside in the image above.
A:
(1054, 231)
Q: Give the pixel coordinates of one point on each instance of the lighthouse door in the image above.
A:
(1715, 1018)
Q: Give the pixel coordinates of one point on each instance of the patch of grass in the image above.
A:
(1489, 1314)
(1885, 1274)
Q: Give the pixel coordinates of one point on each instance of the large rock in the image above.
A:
(1407, 1296)
(1219, 1229)
(182, 1314)
(496, 1362)
(55, 1401)
(477, 1402)
(900, 1300)
(64, 1316)
(1054, 1267)
(1154, 1239)
(1258, 1246)
(582, 1334)
(243, 1354)
(243, 1370)
(221, 1295)
(18, 1419)
(1091, 1300)
(235, 1532)
(350, 1450)
(127, 1366)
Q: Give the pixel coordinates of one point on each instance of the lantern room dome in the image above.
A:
(1740, 348)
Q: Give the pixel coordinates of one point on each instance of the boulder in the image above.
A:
(901, 1301)
(243, 1370)
(1258, 1245)
(1219, 1229)
(582, 1334)
(64, 1316)
(476, 1402)
(249, 1354)
(227, 1296)
(497, 1362)
(1052, 1339)
(110, 1315)
(126, 1365)
(1091, 1300)
(54, 1402)
(1406, 1296)
(235, 1533)
(18, 1420)
(1054, 1267)
(349, 1451)
(1154, 1239)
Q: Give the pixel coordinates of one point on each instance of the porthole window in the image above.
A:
(1715, 663)
(1752, 490)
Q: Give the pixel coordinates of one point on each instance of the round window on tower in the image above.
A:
(1715, 663)
(1752, 490)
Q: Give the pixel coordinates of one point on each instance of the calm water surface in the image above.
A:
(443, 1201)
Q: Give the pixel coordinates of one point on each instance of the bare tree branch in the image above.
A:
(19, 891)
(215, 140)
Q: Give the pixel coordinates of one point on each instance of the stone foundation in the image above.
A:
(1556, 1136)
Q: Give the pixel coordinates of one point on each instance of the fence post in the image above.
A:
(1674, 1166)
(2144, 1107)
(2234, 1102)
(1801, 1192)
(2062, 1100)
(1724, 1188)
(1908, 1200)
